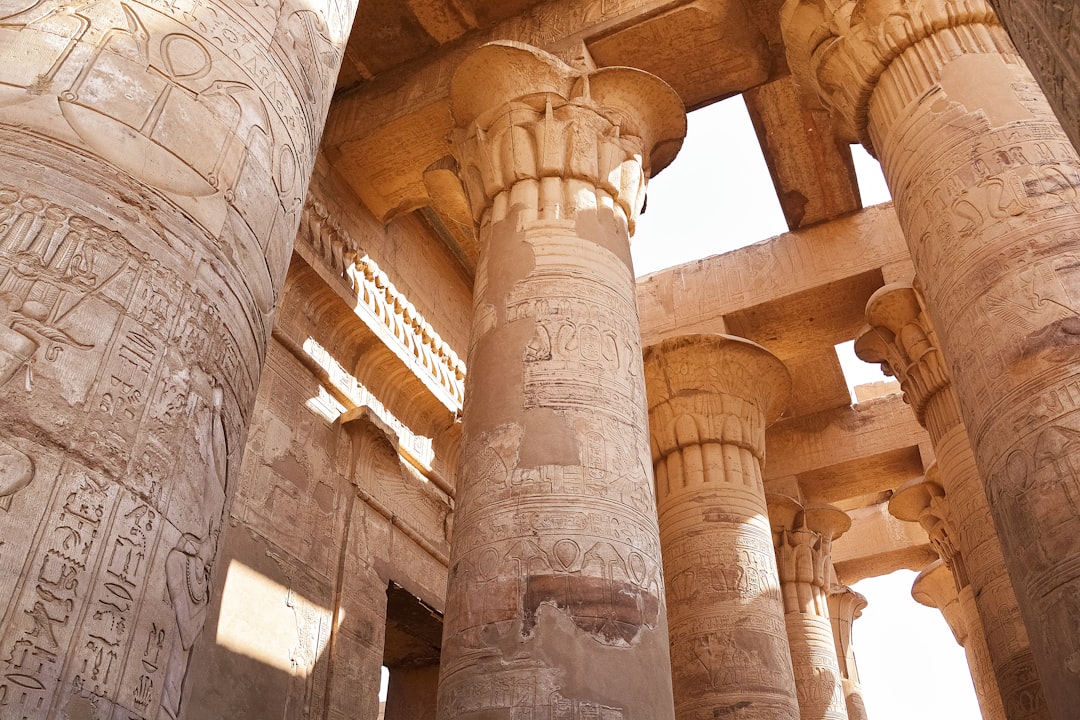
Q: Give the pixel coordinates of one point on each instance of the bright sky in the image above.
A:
(909, 663)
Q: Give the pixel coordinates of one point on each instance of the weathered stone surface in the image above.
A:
(710, 398)
(984, 179)
(556, 585)
(156, 156)
(803, 537)
(951, 503)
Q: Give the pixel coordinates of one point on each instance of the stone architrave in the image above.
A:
(845, 606)
(710, 398)
(155, 157)
(923, 500)
(985, 185)
(902, 339)
(803, 538)
(555, 599)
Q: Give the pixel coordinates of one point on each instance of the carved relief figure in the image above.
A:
(188, 567)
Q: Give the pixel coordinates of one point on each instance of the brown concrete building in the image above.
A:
(321, 350)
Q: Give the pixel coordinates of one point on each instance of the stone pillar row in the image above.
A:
(555, 600)
(984, 180)
(923, 500)
(155, 158)
(951, 503)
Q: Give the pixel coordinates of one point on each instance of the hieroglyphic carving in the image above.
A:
(555, 539)
(155, 157)
(1046, 34)
(710, 398)
(984, 180)
(951, 503)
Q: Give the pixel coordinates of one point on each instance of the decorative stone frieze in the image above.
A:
(901, 337)
(555, 601)
(984, 182)
(710, 399)
(803, 538)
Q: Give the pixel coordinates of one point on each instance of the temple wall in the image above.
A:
(324, 518)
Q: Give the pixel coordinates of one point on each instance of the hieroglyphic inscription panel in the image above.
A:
(155, 155)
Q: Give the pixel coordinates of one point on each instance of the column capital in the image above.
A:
(521, 114)
(845, 603)
(900, 337)
(838, 49)
(935, 587)
(923, 500)
(732, 386)
(803, 538)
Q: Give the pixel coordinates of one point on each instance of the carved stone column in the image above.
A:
(155, 156)
(710, 398)
(902, 339)
(1047, 35)
(555, 601)
(803, 540)
(985, 184)
(845, 605)
(924, 501)
(935, 587)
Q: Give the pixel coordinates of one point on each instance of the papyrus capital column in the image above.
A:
(155, 159)
(845, 606)
(710, 399)
(923, 501)
(951, 503)
(984, 182)
(555, 600)
(803, 538)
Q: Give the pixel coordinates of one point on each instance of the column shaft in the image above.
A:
(845, 605)
(710, 398)
(936, 587)
(985, 185)
(904, 341)
(155, 156)
(1001, 292)
(555, 602)
(803, 541)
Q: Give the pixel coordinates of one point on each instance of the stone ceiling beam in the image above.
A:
(811, 169)
(695, 297)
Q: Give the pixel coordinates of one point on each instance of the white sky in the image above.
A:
(717, 196)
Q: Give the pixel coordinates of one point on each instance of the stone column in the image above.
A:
(902, 339)
(924, 501)
(985, 184)
(555, 600)
(935, 587)
(803, 540)
(1047, 34)
(845, 605)
(710, 398)
(155, 157)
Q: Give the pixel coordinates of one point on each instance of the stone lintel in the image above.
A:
(812, 171)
